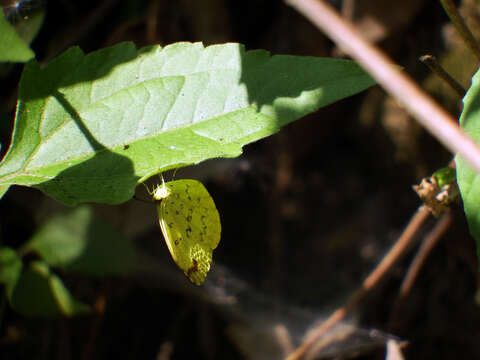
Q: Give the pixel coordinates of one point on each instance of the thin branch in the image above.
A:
(394, 351)
(437, 69)
(461, 27)
(398, 84)
(369, 283)
(427, 246)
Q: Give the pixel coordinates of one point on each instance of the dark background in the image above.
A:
(306, 213)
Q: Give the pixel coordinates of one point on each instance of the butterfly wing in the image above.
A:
(191, 227)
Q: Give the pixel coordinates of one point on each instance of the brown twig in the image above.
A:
(398, 84)
(368, 284)
(437, 69)
(394, 351)
(428, 245)
(461, 27)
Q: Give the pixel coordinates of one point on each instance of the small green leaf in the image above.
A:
(445, 175)
(10, 267)
(39, 292)
(77, 242)
(12, 47)
(468, 180)
(91, 127)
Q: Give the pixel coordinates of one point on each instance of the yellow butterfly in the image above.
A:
(190, 224)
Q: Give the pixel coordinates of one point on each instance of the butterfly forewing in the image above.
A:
(191, 227)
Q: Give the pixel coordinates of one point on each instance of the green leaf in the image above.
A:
(12, 47)
(39, 292)
(28, 29)
(91, 127)
(3, 190)
(10, 267)
(468, 180)
(77, 242)
(445, 176)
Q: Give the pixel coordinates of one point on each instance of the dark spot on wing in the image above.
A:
(193, 268)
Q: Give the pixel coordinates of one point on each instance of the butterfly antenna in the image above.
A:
(163, 182)
(148, 190)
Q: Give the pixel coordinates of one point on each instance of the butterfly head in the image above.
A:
(161, 191)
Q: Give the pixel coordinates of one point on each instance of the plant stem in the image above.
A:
(461, 27)
(437, 69)
(398, 84)
(369, 283)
